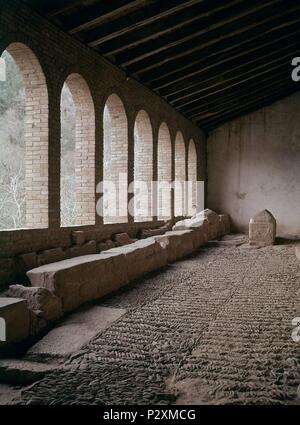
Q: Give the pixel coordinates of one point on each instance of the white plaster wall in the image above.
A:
(254, 163)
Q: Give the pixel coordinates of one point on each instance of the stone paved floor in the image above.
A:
(213, 329)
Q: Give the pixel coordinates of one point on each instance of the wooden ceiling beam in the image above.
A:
(250, 84)
(282, 89)
(239, 97)
(211, 60)
(210, 66)
(129, 31)
(238, 44)
(213, 43)
(101, 13)
(212, 28)
(247, 75)
(231, 67)
(162, 28)
(63, 7)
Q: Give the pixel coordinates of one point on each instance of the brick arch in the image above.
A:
(35, 157)
(92, 86)
(31, 46)
(180, 175)
(192, 178)
(115, 160)
(82, 203)
(164, 171)
(107, 92)
(143, 166)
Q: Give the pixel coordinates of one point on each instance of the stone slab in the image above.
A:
(213, 219)
(142, 257)
(82, 279)
(208, 220)
(262, 229)
(191, 224)
(74, 332)
(181, 243)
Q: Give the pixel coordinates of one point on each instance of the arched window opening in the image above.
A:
(143, 168)
(77, 180)
(115, 162)
(180, 178)
(192, 179)
(164, 172)
(23, 140)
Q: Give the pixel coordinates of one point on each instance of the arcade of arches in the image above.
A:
(77, 155)
(116, 199)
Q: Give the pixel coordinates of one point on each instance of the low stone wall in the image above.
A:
(79, 280)
(62, 286)
(24, 250)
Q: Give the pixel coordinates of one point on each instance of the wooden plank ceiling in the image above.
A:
(213, 60)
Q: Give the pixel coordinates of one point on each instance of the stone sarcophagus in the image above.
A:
(262, 229)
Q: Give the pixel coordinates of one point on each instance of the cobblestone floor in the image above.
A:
(213, 329)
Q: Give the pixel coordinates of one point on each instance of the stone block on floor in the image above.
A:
(82, 279)
(206, 219)
(142, 257)
(181, 244)
(262, 229)
(213, 223)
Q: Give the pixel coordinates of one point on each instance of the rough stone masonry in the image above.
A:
(62, 286)
(213, 329)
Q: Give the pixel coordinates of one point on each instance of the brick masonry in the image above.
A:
(164, 171)
(180, 173)
(53, 58)
(116, 156)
